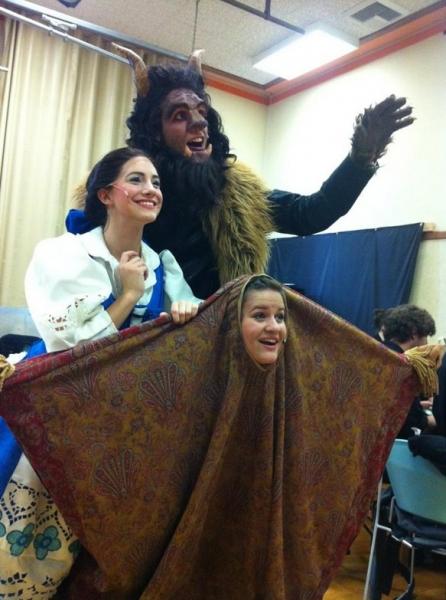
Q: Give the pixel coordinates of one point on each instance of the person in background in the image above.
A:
(405, 327)
(378, 317)
(439, 405)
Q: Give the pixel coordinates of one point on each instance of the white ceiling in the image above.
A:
(232, 37)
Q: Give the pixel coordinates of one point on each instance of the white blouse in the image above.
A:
(70, 276)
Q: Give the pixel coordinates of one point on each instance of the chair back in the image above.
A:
(419, 487)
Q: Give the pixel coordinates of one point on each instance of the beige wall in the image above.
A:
(429, 288)
(307, 135)
(312, 130)
(245, 124)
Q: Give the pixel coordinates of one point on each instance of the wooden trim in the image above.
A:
(409, 30)
(235, 85)
(401, 37)
(433, 235)
(374, 47)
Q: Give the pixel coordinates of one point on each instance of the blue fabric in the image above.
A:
(156, 304)
(353, 272)
(108, 302)
(37, 349)
(77, 222)
(10, 451)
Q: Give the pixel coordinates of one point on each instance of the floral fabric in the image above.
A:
(189, 473)
(37, 549)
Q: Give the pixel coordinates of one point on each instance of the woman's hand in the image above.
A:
(428, 403)
(183, 311)
(132, 273)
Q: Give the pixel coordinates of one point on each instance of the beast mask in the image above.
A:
(153, 85)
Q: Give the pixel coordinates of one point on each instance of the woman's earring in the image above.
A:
(284, 341)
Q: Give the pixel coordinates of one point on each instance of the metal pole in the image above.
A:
(85, 25)
(265, 15)
(371, 564)
(52, 31)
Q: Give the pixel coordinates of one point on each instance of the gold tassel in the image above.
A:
(6, 370)
(425, 360)
(79, 195)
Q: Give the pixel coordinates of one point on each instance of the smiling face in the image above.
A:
(135, 194)
(184, 124)
(263, 325)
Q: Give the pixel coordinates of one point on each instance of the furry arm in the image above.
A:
(374, 128)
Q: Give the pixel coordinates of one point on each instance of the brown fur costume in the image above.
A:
(237, 226)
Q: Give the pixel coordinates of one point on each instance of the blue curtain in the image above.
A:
(353, 272)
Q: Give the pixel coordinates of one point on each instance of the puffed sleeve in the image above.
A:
(175, 286)
(64, 290)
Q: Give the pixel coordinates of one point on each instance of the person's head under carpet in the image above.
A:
(190, 467)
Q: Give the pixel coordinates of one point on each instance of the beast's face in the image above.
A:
(184, 124)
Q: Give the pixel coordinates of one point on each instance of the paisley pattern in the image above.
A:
(78, 388)
(161, 387)
(346, 382)
(189, 473)
(115, 476)
(313, 465)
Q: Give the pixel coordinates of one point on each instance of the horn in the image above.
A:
(140, 69)
(195, 61)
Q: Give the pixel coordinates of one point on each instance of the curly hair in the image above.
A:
(144, 122)
(402, 322)
(379, 315)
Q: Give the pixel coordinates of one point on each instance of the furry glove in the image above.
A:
(374, 128)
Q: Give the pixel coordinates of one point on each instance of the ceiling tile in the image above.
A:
(232, 37)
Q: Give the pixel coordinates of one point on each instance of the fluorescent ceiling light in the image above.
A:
(319, 45)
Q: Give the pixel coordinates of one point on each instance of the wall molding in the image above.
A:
(397, 37)
(433, 235)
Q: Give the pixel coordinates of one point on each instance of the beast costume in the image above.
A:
(217, 213)
(231, 239)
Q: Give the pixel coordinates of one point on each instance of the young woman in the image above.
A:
(263, 319)
(87, 286)
(83, 287)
